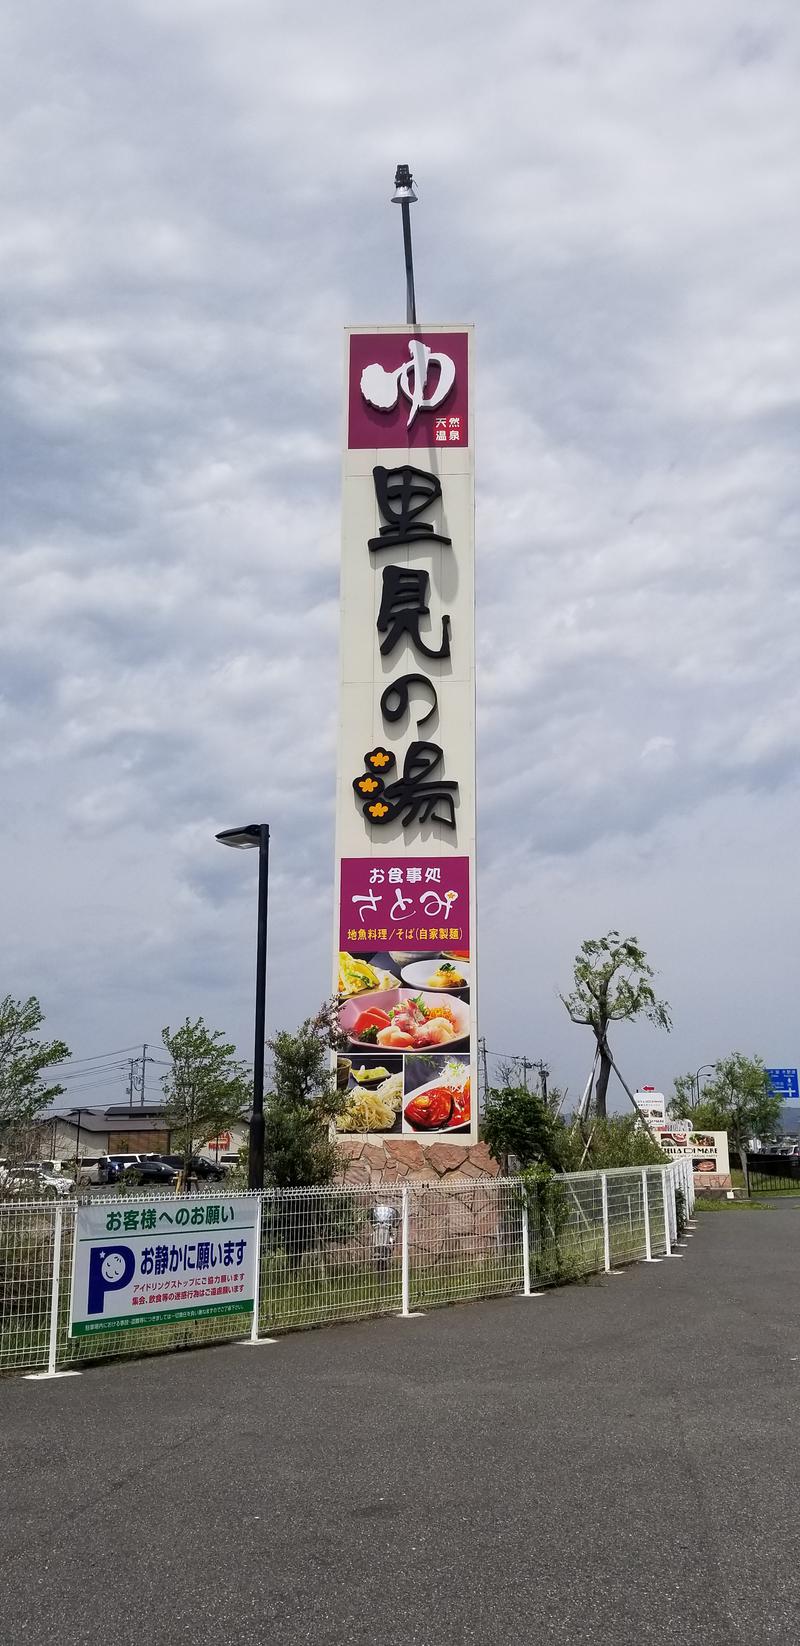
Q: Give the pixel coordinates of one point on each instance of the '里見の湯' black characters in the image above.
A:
(416, 795)
(403, 494)
(403, 603)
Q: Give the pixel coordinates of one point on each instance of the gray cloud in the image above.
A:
(195, 204)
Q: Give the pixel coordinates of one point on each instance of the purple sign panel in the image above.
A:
(404, 996)
(416, 903)
(408, 391)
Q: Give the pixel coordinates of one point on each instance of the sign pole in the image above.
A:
(405, 197)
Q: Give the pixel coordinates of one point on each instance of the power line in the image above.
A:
(89, 1074)
(97, 1057)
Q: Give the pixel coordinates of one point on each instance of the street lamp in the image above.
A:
(697, 1079)
(405, 196)
(256, 834)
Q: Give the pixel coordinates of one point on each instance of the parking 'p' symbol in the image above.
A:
(110, 1268)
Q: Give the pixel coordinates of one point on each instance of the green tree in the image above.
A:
(681, 1104)
(206, 1089)
(617, 1140)
(612, 984)
(518, 1122)
(738, 1099)
(24, 1058)
(301, 1104)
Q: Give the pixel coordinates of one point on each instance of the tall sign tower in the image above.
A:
(405, 807)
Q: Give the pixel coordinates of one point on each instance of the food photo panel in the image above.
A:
(436, 1094)
(371, 1090)
(404, 980)
(405, 1020)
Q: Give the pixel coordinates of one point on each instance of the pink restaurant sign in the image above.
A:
(416, 903)
(408, 391)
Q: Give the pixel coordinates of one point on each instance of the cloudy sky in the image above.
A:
(194, 203)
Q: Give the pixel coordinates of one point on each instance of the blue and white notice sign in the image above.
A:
(137, 1263)
(784, 1084)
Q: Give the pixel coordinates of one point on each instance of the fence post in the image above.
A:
(606, 1230)
(685, 1193)
(673, 1195)
(404, 1256)
(526, 1249)
(55, 1298)
(254, 1340)
(406, 1311)
(667, 1221)
(648, 1244)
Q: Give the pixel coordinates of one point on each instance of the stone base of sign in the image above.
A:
(403, 1159)
(712, 1182)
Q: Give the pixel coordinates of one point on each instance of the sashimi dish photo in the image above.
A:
(401, 1021)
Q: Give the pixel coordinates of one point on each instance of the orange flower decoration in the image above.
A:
(368, 785)
(378, 810)
(379, 759)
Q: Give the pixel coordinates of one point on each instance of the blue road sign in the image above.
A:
(784, 1084)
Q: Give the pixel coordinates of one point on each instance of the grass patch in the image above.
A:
(714, 1204)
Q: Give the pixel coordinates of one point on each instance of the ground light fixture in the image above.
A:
(250, 836)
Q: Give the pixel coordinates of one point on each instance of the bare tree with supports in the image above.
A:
(612, 984)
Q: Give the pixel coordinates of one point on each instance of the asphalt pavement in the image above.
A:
(609, 1463)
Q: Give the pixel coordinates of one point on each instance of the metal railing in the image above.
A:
(328, 1254)
(771, 1172)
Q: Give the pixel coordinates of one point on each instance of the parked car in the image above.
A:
(112, 1168)
(199, 1166)
(150, 1169)
(33, 1183)
(57, 1183)
(92, 1168)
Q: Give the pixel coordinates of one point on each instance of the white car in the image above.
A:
(33, 1182)
(92, 1167)
(57, 1183)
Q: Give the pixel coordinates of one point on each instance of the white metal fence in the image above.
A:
(337, 1254)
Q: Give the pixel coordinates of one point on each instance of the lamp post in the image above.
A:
(697, 1079)
(405, 196)
(256, 834)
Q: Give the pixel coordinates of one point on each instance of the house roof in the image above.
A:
(117, 1115)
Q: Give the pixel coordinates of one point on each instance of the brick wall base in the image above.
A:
(403, 1158)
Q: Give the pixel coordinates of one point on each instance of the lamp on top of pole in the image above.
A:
(697, 1079)
(405, 196)
(252, 835)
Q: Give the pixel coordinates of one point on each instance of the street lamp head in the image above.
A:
(404, 192)
(249, 835)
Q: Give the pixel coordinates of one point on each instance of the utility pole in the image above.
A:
(485, 1066)
(131, 1067)
(526, 1065)
(543, 1075)
(145, 1061)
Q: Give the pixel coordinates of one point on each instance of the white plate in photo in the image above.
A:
(420, 974)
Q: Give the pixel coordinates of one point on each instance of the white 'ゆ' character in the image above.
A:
(381, 389)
